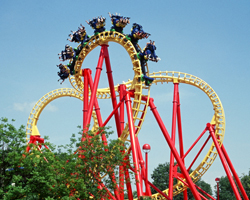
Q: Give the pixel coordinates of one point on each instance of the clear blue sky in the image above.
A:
(209, 39)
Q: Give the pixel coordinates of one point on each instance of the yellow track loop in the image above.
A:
(104, 38)
(138, 106)
(76, 82)
(31, 128)
(218, 119)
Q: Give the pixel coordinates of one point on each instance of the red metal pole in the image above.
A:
(143, 168)
(147, 186)
(205, 192)
(133, 145)
(93, 96)
(204, 131)
(218, 191)
(173, 149)
(109, 193)
(180, 128)
(159, 191)
(140, 160)
(95, 85)
(85, 99)
(97, 108)
(230, 164)
(185, 194)
(197, 188)
(199, 153)
(171, 168)
(122, 88)
(223, 161)
(146, 173)
(112, 113)
(153, 186)
(112, 89)
(128, 184)
(99, 119)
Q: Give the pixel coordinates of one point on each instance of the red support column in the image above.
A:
(122, 90)
(95, 85)
(199, 153)
(173, 149)
(140, 160)
(112, 89)
(205, 192)
(230, 164)
(99, 119)
(146, 182)
(146, 149)
(148, 190)
(180, 128)
(197, 140)
(97, 108)
(171, 168)
(159, 191)
(133, 146)
(185, 194)
(218, 191)
(223, 161)
(88, 108)
(143, 169)
(85, 98)
(154, 187)
(128, 184)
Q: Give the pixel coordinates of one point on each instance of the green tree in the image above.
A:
(73, 173)
(245, 180)
(160, 178)
(12, 144)
(226, 191)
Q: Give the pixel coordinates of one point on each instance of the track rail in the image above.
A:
(137, 105)
(139, 108)
(31, 127)
(218, 120)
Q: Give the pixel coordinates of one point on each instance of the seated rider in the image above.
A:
(67, 53)
(63, 73)
(136, 34)
(97, 24)
(70, 53)
(79, 36)
(119, 22)
(148, 53)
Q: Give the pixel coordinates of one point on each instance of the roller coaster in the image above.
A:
(129, 99)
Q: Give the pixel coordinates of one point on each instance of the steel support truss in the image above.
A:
(123, 107)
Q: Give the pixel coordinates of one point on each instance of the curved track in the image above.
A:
(31, 127)
(138, 113)
(218, 120)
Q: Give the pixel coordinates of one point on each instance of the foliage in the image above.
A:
(71, 174)
(12, 142)
(160, 178)
(226, 191)
(245, 180)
